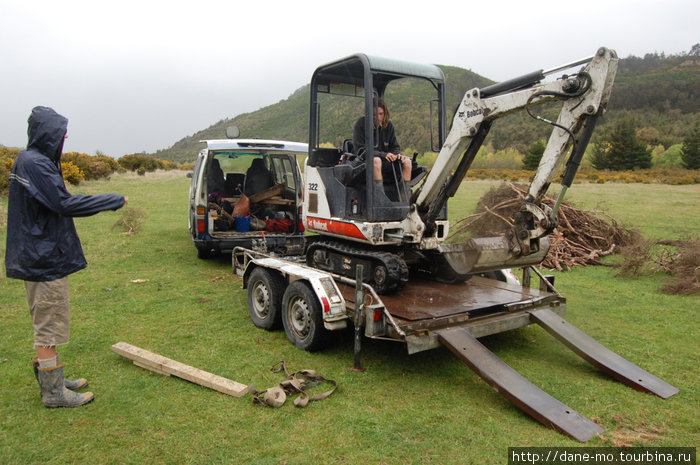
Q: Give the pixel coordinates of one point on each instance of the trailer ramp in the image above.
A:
(514, 387)
(531, 399)
(598, 355)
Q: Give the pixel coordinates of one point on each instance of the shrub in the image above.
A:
(92, 167)
(143, 163)
(7, 159)
(668, 158)
(98, 170)
(71, 173)
(690, 152)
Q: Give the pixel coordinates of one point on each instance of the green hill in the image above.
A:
(662, 93)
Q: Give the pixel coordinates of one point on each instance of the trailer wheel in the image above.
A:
(265, 290)
(302, 317)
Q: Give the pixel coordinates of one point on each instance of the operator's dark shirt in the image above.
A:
(387, 142)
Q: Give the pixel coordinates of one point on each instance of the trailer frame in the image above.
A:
(427, 315)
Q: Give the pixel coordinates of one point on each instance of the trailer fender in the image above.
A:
(322, 283)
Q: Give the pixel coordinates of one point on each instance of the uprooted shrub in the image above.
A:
(130, 221)
(680, 259)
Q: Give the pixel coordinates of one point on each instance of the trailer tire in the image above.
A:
(265, 289)
(302, 317)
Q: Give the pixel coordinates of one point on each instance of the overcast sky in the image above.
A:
(134, 76)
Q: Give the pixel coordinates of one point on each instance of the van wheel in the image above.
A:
(265, 290)
(203, 254)
(302, 317)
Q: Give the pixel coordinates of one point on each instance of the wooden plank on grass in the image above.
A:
(152, 367)
(164, 365)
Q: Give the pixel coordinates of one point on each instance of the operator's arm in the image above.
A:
(46, 185)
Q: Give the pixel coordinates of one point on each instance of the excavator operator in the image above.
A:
(389, 150)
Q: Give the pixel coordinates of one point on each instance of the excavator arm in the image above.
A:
(585, 96)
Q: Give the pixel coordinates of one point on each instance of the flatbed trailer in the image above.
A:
(427, 314)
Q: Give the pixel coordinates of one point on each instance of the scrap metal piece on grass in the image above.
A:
(165, 366)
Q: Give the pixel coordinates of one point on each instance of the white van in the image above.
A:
(248, 193)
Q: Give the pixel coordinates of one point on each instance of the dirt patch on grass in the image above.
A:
(631, 435)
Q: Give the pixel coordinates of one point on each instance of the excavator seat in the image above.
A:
(350, 173)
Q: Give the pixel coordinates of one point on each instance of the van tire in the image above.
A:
(203, 254)
(265, 289)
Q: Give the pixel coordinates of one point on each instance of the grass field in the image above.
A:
(427, 408)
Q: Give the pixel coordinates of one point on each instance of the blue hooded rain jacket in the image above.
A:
(42, 243)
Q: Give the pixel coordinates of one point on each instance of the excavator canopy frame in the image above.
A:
(367, 77)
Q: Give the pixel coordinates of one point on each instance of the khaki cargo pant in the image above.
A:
(49, 308)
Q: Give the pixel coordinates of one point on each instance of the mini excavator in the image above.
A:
(401, 229)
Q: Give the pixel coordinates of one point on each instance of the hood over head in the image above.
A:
(46, 132)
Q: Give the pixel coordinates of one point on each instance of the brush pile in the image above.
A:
(581, 238)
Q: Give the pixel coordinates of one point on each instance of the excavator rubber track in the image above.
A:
(388, 272)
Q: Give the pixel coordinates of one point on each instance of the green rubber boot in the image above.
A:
(72, 384)
(54, 392)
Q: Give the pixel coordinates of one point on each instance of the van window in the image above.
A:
(232, 162)
(289, 174)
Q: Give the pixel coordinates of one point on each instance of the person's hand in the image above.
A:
(126, 200)
(394, 156)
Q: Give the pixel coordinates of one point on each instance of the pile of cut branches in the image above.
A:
(582, 237)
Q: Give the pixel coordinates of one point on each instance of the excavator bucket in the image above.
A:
(483, 254)
(532, 400)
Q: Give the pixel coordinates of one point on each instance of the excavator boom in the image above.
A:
(585, 96)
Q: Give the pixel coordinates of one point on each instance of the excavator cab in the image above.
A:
(352, 86)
